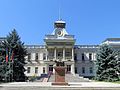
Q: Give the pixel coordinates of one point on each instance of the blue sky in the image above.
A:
(91, 21)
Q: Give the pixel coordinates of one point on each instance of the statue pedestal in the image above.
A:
(59, 76)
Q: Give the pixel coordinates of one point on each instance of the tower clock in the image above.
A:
(59, 32)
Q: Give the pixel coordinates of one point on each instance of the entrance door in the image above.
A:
(68, 69)
(50, 68)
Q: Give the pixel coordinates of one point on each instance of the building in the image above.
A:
(60, 46)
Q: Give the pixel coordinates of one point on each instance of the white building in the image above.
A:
(60, 46)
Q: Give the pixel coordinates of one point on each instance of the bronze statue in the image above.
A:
(59, 63)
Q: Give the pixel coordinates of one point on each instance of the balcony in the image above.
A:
(50, 57)
(68, 57)
(60, 57)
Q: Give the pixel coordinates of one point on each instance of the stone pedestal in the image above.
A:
(59, 76)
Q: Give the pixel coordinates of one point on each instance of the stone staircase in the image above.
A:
(75, 78)
(52, 78)
(39, 80)
(70, 78)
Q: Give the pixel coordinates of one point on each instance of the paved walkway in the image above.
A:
(48, 86)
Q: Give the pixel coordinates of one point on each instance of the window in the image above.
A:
(43, 69)
(90, 56)
(75, 57)
(68, 68)
(91, 70)
(83, 58)
(83, 70)
(59, 54)
(36, 70)
(51, 68)
(29, 56)
(51, 54)
(36, 56)
(67, 54)
(75, 69)
(44, 56)
(28, 69)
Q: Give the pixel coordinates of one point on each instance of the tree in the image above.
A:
(118, 66)
(15, 52)
(2, 64)
(107, 64)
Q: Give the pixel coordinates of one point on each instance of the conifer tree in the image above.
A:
(107, 64)
(2, 63)
(14, 54)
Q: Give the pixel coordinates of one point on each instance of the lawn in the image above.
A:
(116, 82)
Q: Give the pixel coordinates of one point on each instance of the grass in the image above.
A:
(117, 82)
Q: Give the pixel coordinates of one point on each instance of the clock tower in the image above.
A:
(59, 28)
(60, 47)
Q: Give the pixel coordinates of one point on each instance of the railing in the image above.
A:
(48, 77)
(34, 46)
(69, 36)
(60, 57)
(50, 36)
(54, 37)
(68, 57)
(50, 57)
(86, 46)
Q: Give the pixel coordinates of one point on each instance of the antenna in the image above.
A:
(59, 11)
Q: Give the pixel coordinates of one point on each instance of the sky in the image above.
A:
(91, 21)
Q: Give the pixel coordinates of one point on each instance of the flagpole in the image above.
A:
(6, 73)
(12, 69)
(6, 59)
(9, 63)
(12, 63)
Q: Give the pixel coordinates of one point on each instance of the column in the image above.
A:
(55, 53)
(53, 68)
(73, 69)
(73, 54)
(46, 54)
(46, 68)
(63, 53)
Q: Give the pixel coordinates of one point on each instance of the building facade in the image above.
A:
(60, 46)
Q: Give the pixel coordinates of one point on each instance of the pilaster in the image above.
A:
(63, 53)
(55, 53)
(72, 54)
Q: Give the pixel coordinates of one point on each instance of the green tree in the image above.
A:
(2, 64)
(118, 65)
(107, 64)
(14, 68)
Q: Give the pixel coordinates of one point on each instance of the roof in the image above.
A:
(59, 21)
(112, 39)
(2, 38)
(86, 46)
(34, 46)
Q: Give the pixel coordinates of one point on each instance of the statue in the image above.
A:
(59, 73)
(59, 63)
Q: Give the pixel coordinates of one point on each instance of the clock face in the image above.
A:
(59, 33)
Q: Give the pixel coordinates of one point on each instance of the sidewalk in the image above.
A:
(71, 84)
